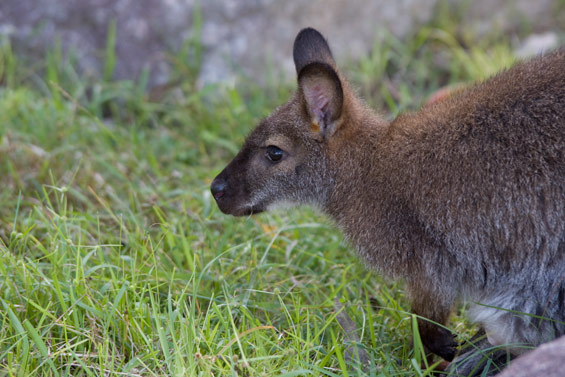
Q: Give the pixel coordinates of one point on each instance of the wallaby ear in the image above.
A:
(322, 92)
(318, 80)
(310, 47)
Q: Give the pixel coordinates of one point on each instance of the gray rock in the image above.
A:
(489, 15)
(267, 29)
(237, 35)
(537, 43)
(545, 361)
(146, 30)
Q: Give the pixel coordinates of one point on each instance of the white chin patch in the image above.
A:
(281, 205)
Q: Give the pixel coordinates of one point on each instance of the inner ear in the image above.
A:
(323, 95)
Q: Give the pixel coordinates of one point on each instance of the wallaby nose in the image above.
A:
(218, 188)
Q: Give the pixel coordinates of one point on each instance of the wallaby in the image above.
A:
(463, 200)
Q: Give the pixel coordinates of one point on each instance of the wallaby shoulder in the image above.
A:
(523, 95)
(514, 120)
(473, 165)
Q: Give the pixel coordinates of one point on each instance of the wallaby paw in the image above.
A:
(442, 344)
(479, 363)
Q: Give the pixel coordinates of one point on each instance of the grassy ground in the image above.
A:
(114, 260)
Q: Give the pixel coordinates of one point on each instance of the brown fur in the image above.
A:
(464, 199)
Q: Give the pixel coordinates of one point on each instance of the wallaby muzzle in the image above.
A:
(230, 191)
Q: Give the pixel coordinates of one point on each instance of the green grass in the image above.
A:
(114, 259)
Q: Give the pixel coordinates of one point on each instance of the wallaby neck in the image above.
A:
(361, 186)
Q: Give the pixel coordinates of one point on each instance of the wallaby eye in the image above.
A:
(273, 154)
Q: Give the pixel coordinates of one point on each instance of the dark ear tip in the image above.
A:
(308, 37)
(309, 46)
(308, 32)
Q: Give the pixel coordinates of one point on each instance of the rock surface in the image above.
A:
(545, 361)
(237, 35)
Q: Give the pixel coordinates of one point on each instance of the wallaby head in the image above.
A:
(285, 160)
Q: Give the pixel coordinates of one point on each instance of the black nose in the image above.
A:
(218, 188)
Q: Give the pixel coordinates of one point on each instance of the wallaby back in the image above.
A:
(464, 199)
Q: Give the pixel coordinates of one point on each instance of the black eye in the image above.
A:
(273, 154)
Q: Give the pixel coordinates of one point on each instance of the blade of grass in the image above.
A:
(24, 353)
(40, 345)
